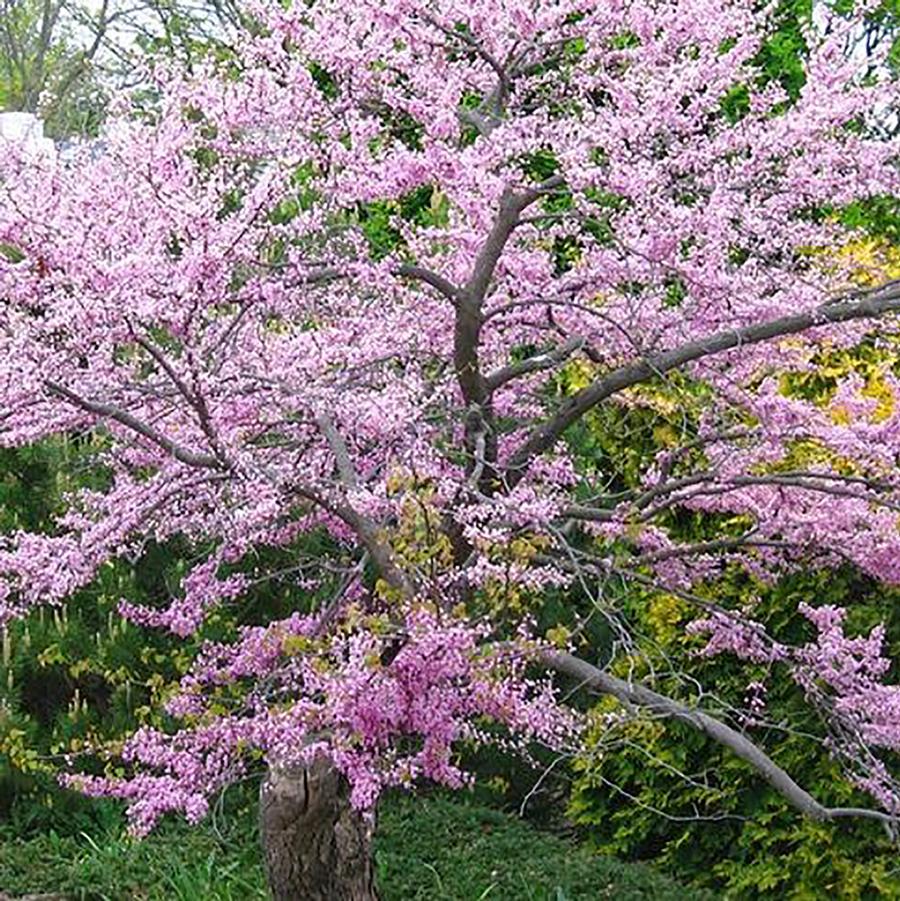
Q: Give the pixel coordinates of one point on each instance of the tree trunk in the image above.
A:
(316, 847)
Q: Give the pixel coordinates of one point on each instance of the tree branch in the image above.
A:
(711, 483)
(110, 411)
(512, 204)
(338, 447)
(429, 277)
(548, 360)
(641, 696)
(194, 397)
(368, 533)
(878, 302)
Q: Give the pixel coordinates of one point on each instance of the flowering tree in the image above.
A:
(368, 276)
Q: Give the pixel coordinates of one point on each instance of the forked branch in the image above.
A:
(876, 303)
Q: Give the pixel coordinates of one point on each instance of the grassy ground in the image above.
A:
(431, 849)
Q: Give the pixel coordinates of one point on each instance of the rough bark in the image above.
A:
(316, 847)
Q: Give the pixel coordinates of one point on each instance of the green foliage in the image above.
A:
(77, 677)
(724, 827)
(879, 216)
(378, 220)
(44, 66)
(324, 80)
(438, 849)
(101, 863)
(432, 849)
(781, 57)
(182, 33)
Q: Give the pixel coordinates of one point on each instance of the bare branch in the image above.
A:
(512, 204)
(436, 280)
(707, 483)
(548, 360)
(346, 470)
(640, 696)
(368, 533)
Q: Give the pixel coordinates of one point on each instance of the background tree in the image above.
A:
(62, 60)
(380, 276)
(47, 53)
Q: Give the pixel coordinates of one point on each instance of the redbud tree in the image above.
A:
(364, 275)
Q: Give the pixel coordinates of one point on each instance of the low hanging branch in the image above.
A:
(632, 694)
(123, 417)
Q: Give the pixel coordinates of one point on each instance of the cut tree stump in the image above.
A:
(316, 847)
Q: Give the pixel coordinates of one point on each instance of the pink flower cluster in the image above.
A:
(295, 696)
(842, 677)
(202, 589)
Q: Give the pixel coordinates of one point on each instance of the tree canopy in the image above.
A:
(374, 275)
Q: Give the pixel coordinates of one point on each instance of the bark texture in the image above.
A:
(316, 847)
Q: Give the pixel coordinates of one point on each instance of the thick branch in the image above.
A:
(429, 277)
(482, 124)
(538, 363)
(479, 427)
(876, 303)
(496, 101)
(641, 696)
(512, 205)
(338, 447)
(370, 537)
(469, 320)
(366, 529)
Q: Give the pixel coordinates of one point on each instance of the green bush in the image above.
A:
(431, 849)
(661, 791)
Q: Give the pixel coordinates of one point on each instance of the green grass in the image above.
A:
(431, 848)
(444, 850)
